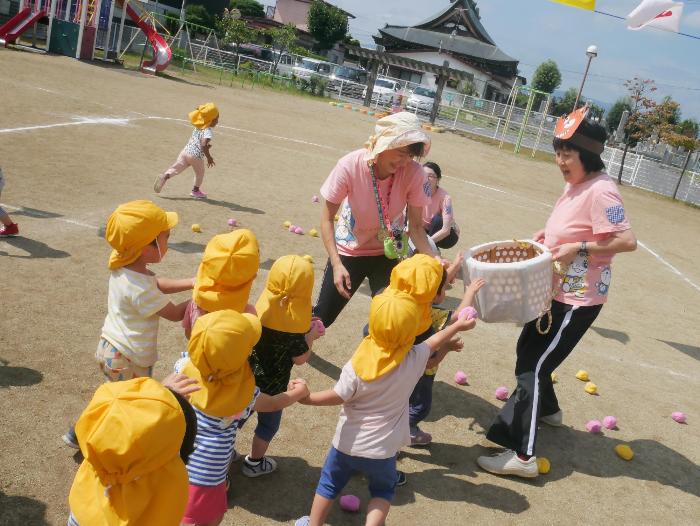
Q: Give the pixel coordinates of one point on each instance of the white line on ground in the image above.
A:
(124, 121)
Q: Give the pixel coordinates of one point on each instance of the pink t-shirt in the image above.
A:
(350, 183)
(588, 211)
(440, 203)
(373, 419)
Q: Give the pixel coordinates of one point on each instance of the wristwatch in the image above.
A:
(584, 246)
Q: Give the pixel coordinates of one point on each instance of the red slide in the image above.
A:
(18, 24)
(161, 51)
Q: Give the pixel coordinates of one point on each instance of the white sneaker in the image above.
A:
(256, 469)
(508, 463)
(554, 420)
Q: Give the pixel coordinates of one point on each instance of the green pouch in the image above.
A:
(396, 248)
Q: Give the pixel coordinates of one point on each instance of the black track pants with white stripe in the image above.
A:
(515, 426)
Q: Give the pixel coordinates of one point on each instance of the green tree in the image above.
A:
(639, 91)
(564, 104)
(615, 114)
(327, 24)
(198, 14)
(281, 39)
(689, 128)
(248, 7)
(234, 31)
(348, 40)
(547, 77)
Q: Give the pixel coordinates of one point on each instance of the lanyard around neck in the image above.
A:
(382, 207)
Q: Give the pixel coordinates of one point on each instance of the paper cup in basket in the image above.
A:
(518, 275)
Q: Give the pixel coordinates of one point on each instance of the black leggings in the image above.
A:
(330, 302)
(515, 426)
(446, 242)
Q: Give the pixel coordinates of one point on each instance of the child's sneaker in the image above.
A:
(159, 183)
(70, 439)
(9, 230)
(400, 478)
(508, 463)
(265, 466)
(198, 194)
(420, 438)
(303, 521)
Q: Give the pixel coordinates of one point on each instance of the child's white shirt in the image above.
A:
(194, 146)
(373, 419)
(131, 324)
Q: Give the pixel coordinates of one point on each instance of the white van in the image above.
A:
(384, 90)
(306, 67)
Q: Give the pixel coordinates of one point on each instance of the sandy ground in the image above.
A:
(273, 152)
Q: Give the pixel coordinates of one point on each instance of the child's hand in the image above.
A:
(464, 324)
(454, 267)
(299, 388)
(456, 344)
(181, 384)
(538, 236)
(475, 286)
(317, 329)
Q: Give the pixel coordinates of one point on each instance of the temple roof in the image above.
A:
(456, 29)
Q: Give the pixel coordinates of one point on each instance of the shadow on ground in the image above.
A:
(215, 202)
(22, 511)
(34, 249)
(18, 376)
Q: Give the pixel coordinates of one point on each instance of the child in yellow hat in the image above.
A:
(373, 389)
(288, 332)
(138, 435)
(425, 279)
(138, 232)
(225, 276)
(203, 118)
(218, 352)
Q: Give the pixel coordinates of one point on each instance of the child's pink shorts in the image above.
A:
(205, 504)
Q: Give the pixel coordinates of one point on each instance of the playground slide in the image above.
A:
(18, 24)
(162, 52)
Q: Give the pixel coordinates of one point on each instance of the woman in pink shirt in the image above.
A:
(586, 229)
(370, 189)
(438, 216)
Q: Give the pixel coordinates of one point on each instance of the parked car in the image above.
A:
(384, 91)
(349, 78)
(310, 66)
(421, 100)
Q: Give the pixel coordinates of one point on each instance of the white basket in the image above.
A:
(518, 275)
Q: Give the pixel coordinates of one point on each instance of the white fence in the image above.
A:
(654, 176)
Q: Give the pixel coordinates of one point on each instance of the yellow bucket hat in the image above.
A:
(132, 226)
(219, 348)
(285, 304)
(419, 276)
(396, 131)
(130, 435)
(392, 321)
(203, 116)
(226, 273)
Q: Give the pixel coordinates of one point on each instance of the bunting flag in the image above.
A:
(588, 5)
(661, 14)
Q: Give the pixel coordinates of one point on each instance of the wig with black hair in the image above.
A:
(435, 168)
(187, 447)
(588, 131)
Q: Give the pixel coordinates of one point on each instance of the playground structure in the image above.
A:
(511, 121)
(73, 24)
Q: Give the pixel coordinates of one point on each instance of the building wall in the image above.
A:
(481, 79)
(292, 12)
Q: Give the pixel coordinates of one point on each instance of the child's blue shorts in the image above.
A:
(339, 467)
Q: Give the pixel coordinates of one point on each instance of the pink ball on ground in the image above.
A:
(298, 230)
(679, 417)
(468, 312)
(315, 199)
(292, 228)
(461, 378)
(350, 503)
(594, 426)
(232, 222)
(502, 393)
(610, 422)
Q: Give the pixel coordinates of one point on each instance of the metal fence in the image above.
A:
(654, 176)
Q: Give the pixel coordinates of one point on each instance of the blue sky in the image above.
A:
(533, 31)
